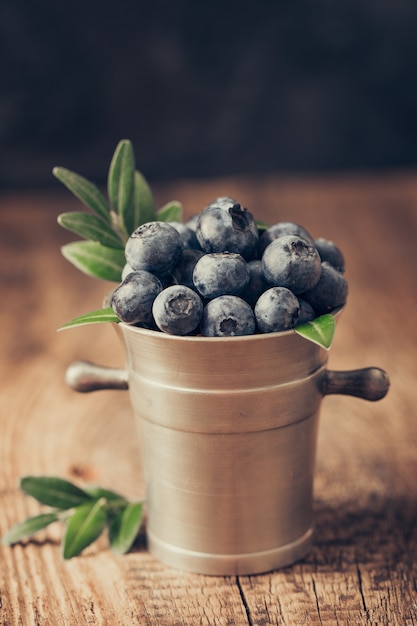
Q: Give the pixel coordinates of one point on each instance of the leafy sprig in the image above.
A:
(86, 513)
(109, 222)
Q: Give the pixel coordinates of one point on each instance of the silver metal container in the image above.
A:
(228, 429)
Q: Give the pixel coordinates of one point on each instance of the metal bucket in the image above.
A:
(228, 429)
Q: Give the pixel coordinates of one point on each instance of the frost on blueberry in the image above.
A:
(177, 310)
(307, 313)
(257, 282)
(227, 316)
(218, 274)
(277, 309)
(225, 226)
(183, 271)
(126, 270)
(132, 300)
(224, 202)
(188, 236)
(155, 247)
(330, 253)
(291, 261)
(280, 229)
(329, 293)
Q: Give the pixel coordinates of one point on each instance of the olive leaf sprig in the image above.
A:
(85, 513)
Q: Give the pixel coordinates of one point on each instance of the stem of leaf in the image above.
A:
(118, 226)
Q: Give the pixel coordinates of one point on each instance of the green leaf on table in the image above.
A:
(170, 212)
(83, 527)
(95, 260)
(120, 182)
(56, 492)
(143, 204)
(93, 317)
(319, 331)
(84, 190)
(28, 527)
(90, 227)
(125, 527)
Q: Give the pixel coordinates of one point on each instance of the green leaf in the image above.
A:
(170, 212)
(121, 181)
(28, 527)
(85, 191)
(95, 260)
(125, 527)
(84, 527)
(143, 205)
(90, 227)
(319, 331)
(261, 226)
(100, 492)
(93, 317)
(53, 491)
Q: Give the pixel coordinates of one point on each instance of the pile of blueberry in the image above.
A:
(218, 275)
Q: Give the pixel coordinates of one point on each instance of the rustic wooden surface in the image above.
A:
(362, 569)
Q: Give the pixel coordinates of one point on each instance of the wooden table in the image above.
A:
(362, 569)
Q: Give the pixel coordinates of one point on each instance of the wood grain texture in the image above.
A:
(362, 569)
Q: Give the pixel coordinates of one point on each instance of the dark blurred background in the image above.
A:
(206, 88)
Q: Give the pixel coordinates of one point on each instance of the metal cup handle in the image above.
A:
(84, 376)
(370, 383)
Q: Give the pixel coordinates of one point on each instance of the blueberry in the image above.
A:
(307, 313)
(278, 230)
(177, 310)
(226, 227)
(227, 316)
(183, 272)
(329, 293)
(126, 270)
(155, 247)
(188, 236)
(329, 252)
(132, 300)
(257, 283)
(291, 261)
(221, 273)
(224, 202)
(277, 309)
(192, 222)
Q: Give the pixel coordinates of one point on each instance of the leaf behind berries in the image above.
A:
(53, 491)
(143, 204)
(125, 527)
(84, 190)
(83, 527)
(261, 226)
(96, 260)
(101, 492)
(170, 212)
(28, 527)
(90, 227)
(120, 181)
(320, 330)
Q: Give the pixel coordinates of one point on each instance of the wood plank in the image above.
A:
(361, 569)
